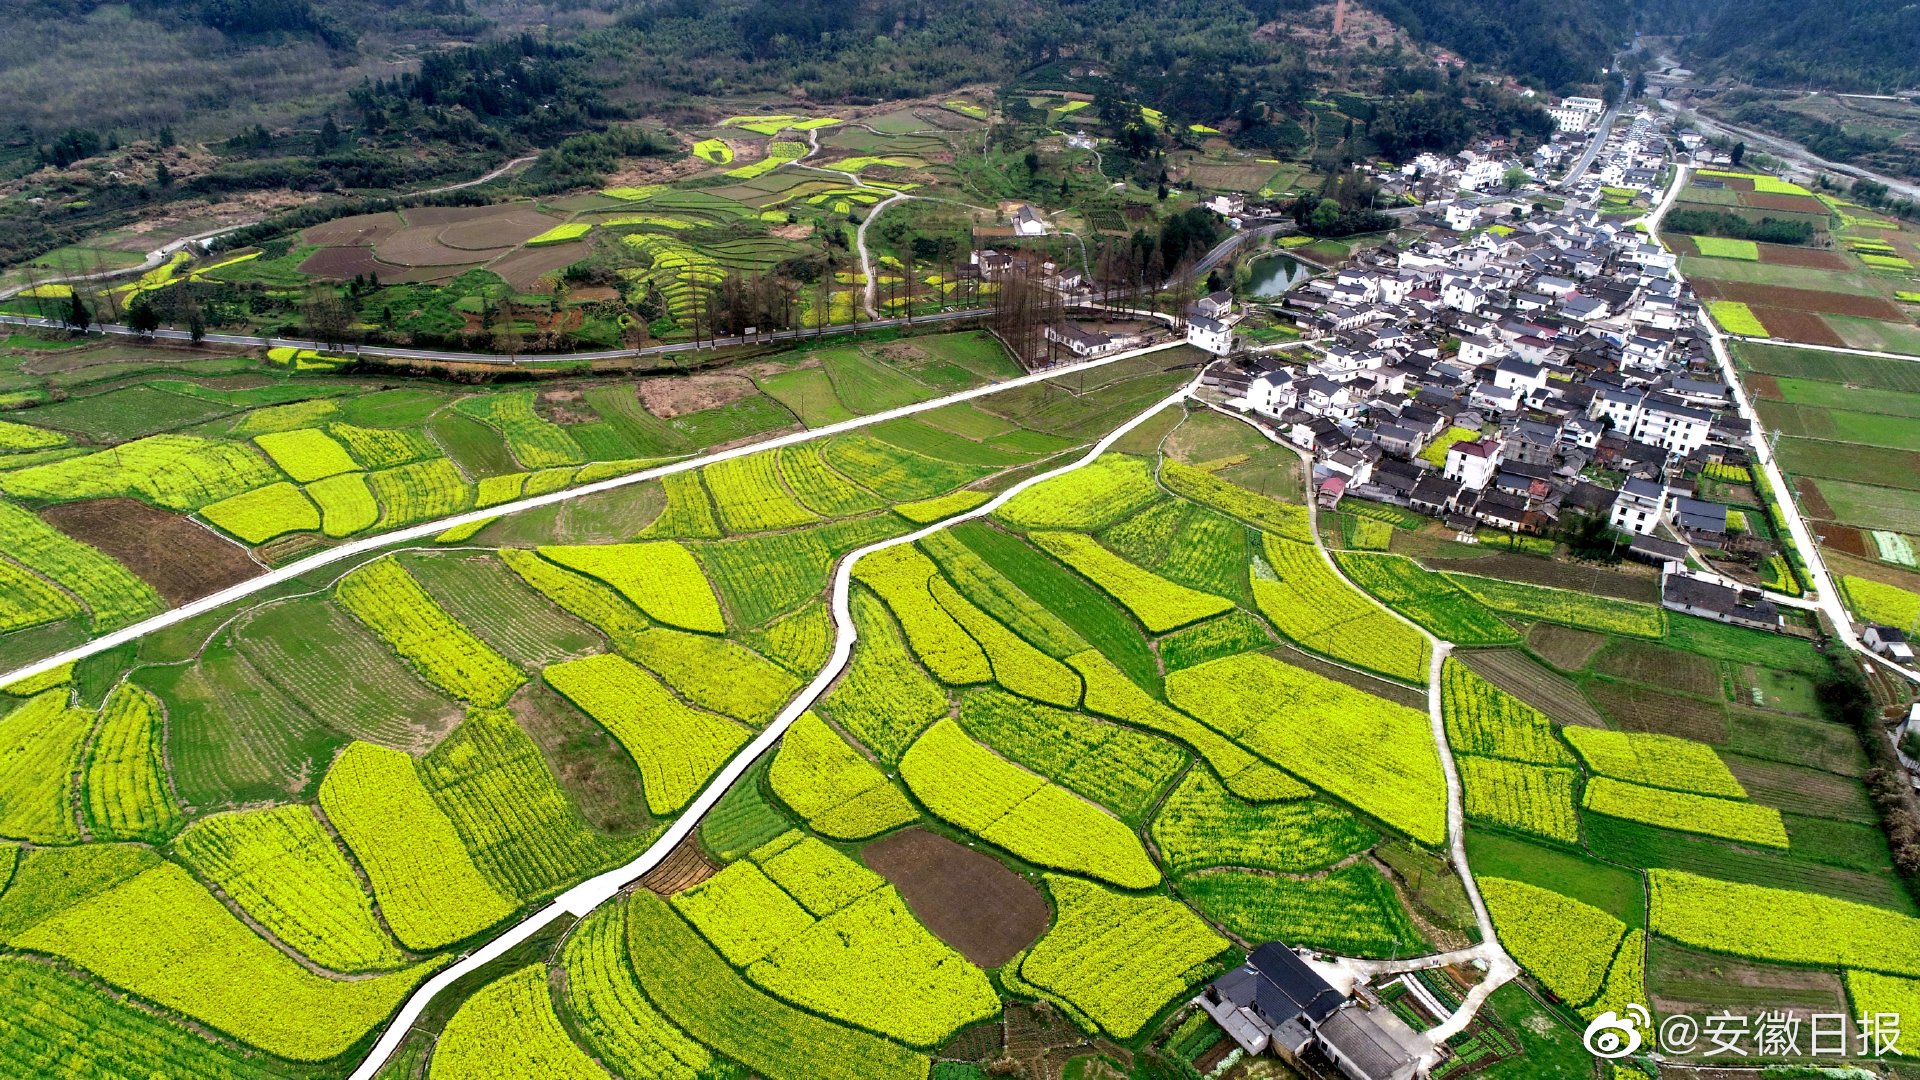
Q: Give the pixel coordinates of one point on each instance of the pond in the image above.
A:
(1274, 274)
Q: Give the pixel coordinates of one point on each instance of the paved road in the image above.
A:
(428, 530)
(584, 897)
(1826, 593)
(540, 360)
(1789, 150)
(1593, 149)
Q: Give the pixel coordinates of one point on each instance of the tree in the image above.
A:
(162, 176)
(1032, 162)
(1514, 177)
(1325, 216)
(78, 316)
(142, 317)
(1739, 153)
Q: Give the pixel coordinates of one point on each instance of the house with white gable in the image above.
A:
(1212, 335)
(1272, 393)
(1639, 507)
(1473, 464)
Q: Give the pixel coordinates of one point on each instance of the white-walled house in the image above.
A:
(1473, 464)
(1212, 335)
(1639, 506)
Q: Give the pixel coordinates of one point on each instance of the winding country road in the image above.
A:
(1826, 593)
(584, 897)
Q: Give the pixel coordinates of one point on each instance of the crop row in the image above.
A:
(1728, 819)
(750, 497)
(1159, 604)
(660, 578)
(884, 699)
(1307, 724)
(1484, 719)
(819, 487)
(179, 472)
(838, 792)
(990, 590)
(1111, 693)
(1203, 825)
(1087, 499)
(1117, 959)
(1268, 515)
(111, 592)
(1656, 760)
(968, 785)
(1568, 945)
(1781, 924)
(1305, 600)
(1580, 610)
(676, 747)
(282, 868)
(446, 654)
(894, 474)
(1427, 598)
(261, 514)
(41, 746)
(429, 889)
(617, 1021)
(1353, 910)
(1117, 767)
(1537, 799)
(126, 784)
(508, 1029)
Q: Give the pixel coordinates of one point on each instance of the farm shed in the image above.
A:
(1276, 1001)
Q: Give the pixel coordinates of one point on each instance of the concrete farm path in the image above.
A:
(1827, 595)
(430, 529)
(1345, 971)
(590, 894)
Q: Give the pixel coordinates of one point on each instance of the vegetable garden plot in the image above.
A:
(282, 868)
(421, 491)
(346, 504)
(903, 577)
(1115, 960)
(1656, 760)
(999, 597)
(821, 489)
(1281, 519)
(1305, 723)
(264, 513)
(967, 785)
(429, 889)
(677, 748)
(1583, 611)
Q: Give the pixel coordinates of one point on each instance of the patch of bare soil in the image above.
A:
(683, 868)
(677, 395)
(595, 772)
(181, 560)
(639, 172)
(901, 352)
(968, 899)
(564, 407)
(799, 230)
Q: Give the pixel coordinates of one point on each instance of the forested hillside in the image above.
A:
(1870, 46)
